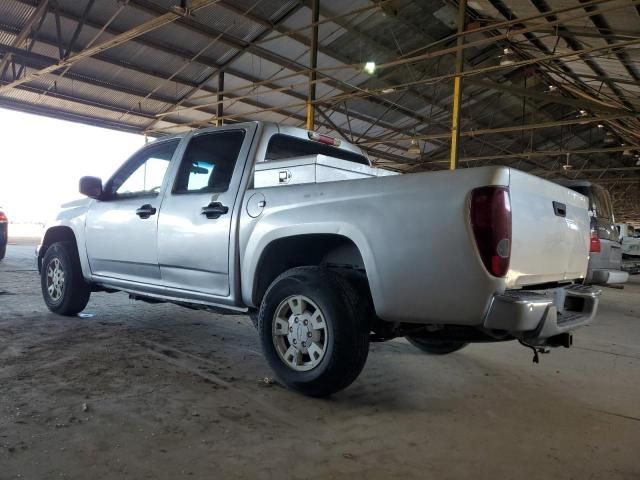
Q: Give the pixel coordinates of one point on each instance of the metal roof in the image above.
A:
(564, 105)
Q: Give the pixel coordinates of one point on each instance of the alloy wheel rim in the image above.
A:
(55, 279)
(300, 333)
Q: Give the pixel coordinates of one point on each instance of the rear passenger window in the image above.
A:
(208, 163)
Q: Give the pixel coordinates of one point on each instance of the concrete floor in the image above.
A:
(155, 391)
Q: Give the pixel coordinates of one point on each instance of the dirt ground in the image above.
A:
(131, 390)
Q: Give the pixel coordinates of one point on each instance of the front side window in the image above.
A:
(144, 173)
(208, 163)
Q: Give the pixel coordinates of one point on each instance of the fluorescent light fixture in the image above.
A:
(370, 67)
(508, 58)
(414, 148)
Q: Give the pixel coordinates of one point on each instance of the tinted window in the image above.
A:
(283, 146)
(209, 161)
(144, 173)
(601, 202)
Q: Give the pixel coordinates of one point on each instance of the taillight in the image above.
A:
(491, 223)
(3, 217)
(594, 243)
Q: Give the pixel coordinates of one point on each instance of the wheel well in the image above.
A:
(303, 250)
(53, 235)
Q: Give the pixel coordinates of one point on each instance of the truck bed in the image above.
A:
(415, 237)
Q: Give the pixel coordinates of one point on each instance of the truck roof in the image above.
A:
(275, 128)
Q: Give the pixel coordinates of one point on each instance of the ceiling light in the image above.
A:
(370, 67)
(582, 113)
(600, 125)
(551, 88)
(507, 57)
(388, 90)
(414, 148)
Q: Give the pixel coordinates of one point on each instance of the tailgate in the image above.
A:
(550, 231)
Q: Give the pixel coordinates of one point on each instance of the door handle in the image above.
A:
(145, 211)
(214, 210)
(560, 209)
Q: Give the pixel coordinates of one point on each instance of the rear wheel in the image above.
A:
(314, 330)
(435, 347)
(63, 287)
(3, 251)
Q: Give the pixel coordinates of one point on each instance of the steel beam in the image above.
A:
(457, 88)
(220, 97)
(313, 63)
(37, 14)
(124, 37)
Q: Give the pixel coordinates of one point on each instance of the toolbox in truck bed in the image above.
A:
(312, 169)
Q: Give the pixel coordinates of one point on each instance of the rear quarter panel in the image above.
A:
(412, 231)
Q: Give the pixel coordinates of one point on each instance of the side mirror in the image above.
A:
(91, 187)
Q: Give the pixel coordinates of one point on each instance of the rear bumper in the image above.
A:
(609, 277)
(538, 316)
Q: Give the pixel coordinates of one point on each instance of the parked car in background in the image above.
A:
(4, 233)
(324, 251)
(605, 250)
(630, 240)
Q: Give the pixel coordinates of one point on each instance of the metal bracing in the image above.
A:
(313, 64)
(457, 88)
(27, 30)
(408, 98)
(124, 37)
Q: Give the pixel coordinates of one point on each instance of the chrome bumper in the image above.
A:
(609, 277)
(537, 316)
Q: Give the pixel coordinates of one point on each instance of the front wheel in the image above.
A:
(314, 330)
(63, 287)
(435, 347)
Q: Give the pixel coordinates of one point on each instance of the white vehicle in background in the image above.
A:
(629, 239)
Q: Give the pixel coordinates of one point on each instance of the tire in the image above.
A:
(338, 334)
(435, 347)
(3, 251)
(63, 287)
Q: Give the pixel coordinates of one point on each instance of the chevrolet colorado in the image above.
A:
(324, 251)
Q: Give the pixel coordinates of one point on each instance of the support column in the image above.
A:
(220, 97)
(313, 64)
(457, 88)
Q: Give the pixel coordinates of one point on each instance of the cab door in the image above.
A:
(121, 229)
(195, 223)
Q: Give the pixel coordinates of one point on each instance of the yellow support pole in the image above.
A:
(313, 64)
(457, 88)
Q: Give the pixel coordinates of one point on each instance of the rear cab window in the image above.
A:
(282, 147)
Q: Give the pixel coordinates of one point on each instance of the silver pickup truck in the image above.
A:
(325, 252)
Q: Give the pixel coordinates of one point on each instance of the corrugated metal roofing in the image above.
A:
(170, 69)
